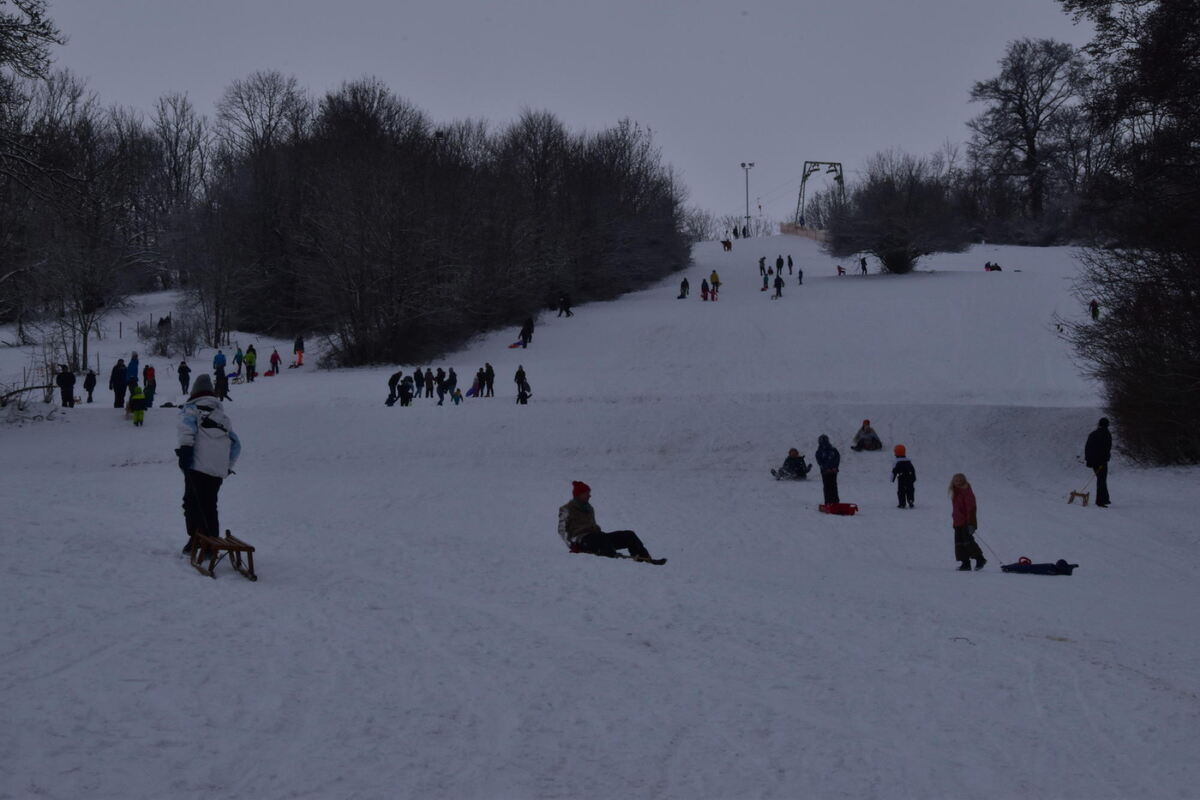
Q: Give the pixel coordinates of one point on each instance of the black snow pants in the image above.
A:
(1101, 485)
(200, 503)
(829, 484)
(607, 544)
(119, 397)
(905, 492)
(965, 546)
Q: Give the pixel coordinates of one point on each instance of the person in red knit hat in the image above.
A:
(577, 527)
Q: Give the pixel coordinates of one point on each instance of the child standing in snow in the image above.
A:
(137, 403)
(904, 470)
(457, 396)
(962, 503)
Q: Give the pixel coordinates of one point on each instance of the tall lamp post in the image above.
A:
(747, 166)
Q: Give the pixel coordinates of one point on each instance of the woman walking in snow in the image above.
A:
(962, 503)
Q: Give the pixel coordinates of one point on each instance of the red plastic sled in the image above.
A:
(841, 509)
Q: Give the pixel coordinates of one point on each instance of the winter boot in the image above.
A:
(964, 566)
(979, 562)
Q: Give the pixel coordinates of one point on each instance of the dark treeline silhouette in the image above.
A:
(354, 215)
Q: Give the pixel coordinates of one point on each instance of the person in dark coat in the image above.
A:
(519, 377)
(392, 381)
(962, 502)
(451, 381)
(117, 382)
(789, 263)
(406, 390)
(1094, 308)
(526, 335)
(185, 376)
(564, 305)
(904, 470)
(794, 467)
(862, 263)
(429, 382)
(89, 384)
(524, 392)
(1096, 454)
(683, 289)
(762, 266)
(828, 460)
(704, 288)
(778, 287)
(222, 388)
(66, 386)
(131, 372)
(799, 276)
(489, 380)
(298, 351)
(779, 264)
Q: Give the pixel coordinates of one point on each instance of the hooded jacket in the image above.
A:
(828, 457)
(204, 427)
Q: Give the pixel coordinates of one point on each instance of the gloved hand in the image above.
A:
(185, 457)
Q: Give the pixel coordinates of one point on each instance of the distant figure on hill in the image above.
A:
(703, 289)
(117, 382)
(406, 390)
(131, 371)
(736, 233)
(457, 397)
(862, 262)
(1096, 454)
(222, 387)
(789, 263)
(578, 529)
(683, 289)
(564, 305)
(778, 287)
(524, 392)
(65, 379)
(451, 381)
(298, 351)
(726, 244)
(393, 382)
(794, 467)
(428, 382)
(765, 279)
(251, 360)
(779, 264)
(828, 460)
(865, 438)
(150, 380)
(185, 376)
(489, 380)
(714, 284)
(841, 270)
(526, 334)
(962, 504)
(89, 384)
(276, 360)
(745, 232)
(762, 266)
(904, 470)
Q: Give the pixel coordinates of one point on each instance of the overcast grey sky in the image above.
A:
(773, 81)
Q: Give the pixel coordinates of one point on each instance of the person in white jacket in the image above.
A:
(208, 449)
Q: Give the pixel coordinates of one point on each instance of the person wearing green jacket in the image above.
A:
(251, 361)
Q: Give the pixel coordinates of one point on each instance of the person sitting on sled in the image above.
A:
(578, 529)
(794, 467)
(866, 438)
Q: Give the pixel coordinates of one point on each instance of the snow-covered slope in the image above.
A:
(420, 631)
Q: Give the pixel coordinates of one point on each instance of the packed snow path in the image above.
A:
(418, 629)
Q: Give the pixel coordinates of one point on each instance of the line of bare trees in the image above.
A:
(352, 215)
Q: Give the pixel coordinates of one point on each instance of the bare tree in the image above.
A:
(1038, 81)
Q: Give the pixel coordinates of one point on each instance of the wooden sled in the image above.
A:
(209, 548)
(1084, 496)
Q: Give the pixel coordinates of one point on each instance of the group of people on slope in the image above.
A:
(122, 381)
(710, 287)
(445, 383)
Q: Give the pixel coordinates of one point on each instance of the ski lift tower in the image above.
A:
(833, 168)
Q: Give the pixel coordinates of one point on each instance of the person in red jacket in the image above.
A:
(962, 502)
(276, 360)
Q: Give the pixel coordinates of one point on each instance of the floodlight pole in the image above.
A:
(747, 166)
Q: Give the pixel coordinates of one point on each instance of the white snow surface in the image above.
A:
(420, 631)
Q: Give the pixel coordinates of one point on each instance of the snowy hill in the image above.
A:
(420, 631)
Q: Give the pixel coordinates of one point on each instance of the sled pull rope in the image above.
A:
(999, 560)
